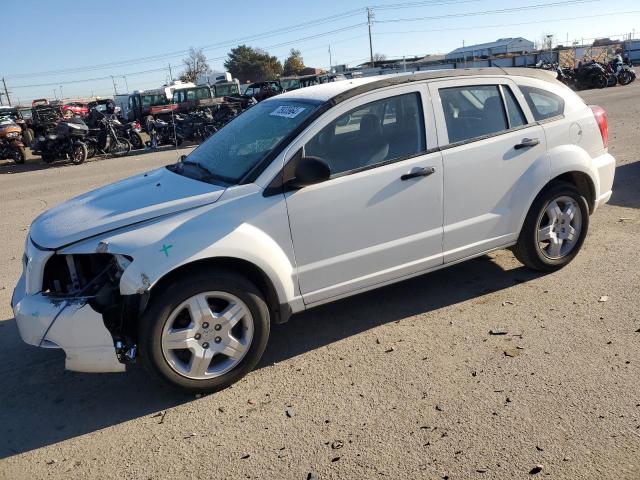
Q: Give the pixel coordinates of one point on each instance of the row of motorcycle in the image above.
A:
(77, 139)
(593, 74)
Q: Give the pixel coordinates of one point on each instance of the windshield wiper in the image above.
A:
(208, 174)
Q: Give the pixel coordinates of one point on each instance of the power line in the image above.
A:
(487, 12)
(152, 58)
(508, 24)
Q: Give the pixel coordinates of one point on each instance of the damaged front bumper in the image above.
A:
(68, 323)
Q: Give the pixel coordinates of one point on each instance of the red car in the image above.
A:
(78, 108)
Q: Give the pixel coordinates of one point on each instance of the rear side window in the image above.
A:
(371, 134)
(473, 111)
(543, 103)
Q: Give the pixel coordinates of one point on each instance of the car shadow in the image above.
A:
(625, 185)
(42, 404)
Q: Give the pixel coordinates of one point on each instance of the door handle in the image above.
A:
(421, 172)
(526, 143)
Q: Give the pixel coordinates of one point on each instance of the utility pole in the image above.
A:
(170, 74)
(330, 60)
(369, 19)
(115, 92)
(55, 94)
(61, 95)
(126, 84)
(6, 92)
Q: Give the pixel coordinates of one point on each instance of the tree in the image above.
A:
(294, 64)
(247, 63)
(196, 64)
(379, 57)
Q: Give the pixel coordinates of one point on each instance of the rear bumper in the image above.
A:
(605, 165)
(72, 325)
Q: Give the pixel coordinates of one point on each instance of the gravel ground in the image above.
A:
(403, 382)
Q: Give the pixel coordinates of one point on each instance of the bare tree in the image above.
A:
(379, 57)
(195, 64)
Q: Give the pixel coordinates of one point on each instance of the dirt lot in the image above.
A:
(403, 382)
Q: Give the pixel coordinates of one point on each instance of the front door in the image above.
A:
(379, 216)
(494, 157)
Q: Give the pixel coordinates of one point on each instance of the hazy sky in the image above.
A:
(79, 44)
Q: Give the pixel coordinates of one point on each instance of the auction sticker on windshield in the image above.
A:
(287, 111)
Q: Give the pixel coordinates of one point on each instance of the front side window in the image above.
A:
(543, 104)
(371, 134)
(244, 142)
(473, 111)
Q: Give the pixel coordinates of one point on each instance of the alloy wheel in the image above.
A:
(559, 227)
(207, 335)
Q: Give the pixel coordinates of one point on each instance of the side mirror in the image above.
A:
(309, 171)
(183, 158)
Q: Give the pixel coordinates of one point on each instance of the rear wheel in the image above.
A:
(554, 229)
(204, 331)
(79, 153)
(18, 154)
(136, 140)
(120, 147)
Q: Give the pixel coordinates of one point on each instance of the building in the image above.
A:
(502, 46)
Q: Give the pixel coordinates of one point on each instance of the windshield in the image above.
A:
(155, 99)
(226, 90)
(241, 144)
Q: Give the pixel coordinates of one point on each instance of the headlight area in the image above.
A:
(94, 279)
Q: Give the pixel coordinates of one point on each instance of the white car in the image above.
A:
(305, 198)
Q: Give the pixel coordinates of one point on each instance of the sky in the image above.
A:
(73, 48)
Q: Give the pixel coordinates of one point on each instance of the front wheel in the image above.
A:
(554, 229)
(204, 331)
(18, 154)
(79, 153)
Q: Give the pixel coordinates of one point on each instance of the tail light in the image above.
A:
(603, 124)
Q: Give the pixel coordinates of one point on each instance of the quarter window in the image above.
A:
(543, 104)
(473, 111)
(372, 134)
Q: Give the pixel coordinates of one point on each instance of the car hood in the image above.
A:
(135, 199)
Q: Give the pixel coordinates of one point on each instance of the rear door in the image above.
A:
(494, 160)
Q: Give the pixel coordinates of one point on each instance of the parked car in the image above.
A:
(262, 90)
(306, 198)
(80, 109)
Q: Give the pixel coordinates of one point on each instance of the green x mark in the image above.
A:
(165, 249)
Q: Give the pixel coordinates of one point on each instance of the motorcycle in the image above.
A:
(626, 75)
(590, 75)
(11, 145)
(107, 138)
(162, 133)
(131, 131)
(195, 125)
(66, 142)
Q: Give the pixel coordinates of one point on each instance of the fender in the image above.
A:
(565, 159)
(159, 246)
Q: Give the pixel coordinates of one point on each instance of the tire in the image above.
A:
(601, 81)
(177, 365)
(79, 153)
(535, 253)
(92, 150)
(18, 155)
(120, 148)
(136, 140)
